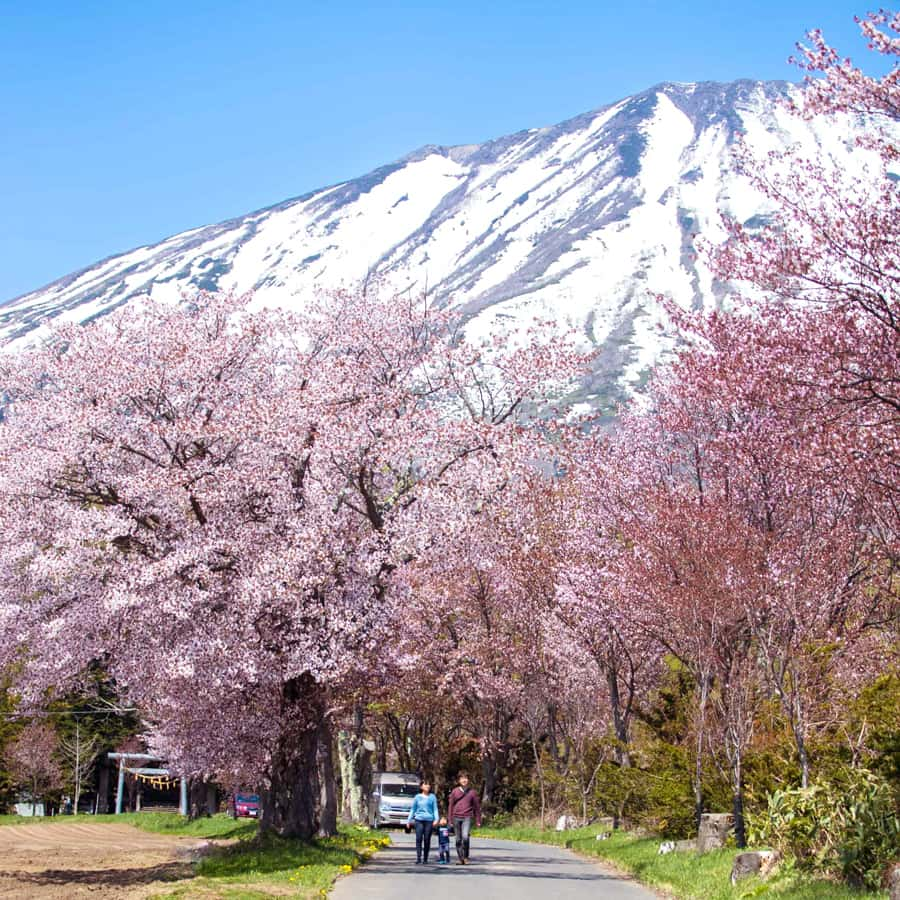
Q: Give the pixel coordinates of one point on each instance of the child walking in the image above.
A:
(443, 843)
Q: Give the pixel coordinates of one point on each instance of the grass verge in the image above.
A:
(685, 876)
(219, 826)
(280, 867)
(267, 866)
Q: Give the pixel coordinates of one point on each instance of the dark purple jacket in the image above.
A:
(464, 805)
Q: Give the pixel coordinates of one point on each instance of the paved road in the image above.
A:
(499, 870)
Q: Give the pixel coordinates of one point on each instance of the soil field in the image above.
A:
(73, 860)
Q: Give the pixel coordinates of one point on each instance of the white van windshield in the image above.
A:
(400, 790)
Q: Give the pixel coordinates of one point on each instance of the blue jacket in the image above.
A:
(424, 808)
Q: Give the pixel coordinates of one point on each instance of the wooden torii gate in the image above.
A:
(124, 758)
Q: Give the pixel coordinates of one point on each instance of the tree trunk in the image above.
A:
(804, 763)
(290, 804)
(198, 798)
(699, 802)
(328, 797)
(382, 754)
(620, 727)
(540, 773)
(130, 792)
(212, 798)
(355, 758)
(620, 722)
(489, 771)
(103, 788)
(737, 802)
(800, 740)
(740, 830)
(77, 767)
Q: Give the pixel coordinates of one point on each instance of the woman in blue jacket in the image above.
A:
(424, 815)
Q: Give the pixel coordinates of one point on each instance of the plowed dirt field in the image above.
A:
(72, 860)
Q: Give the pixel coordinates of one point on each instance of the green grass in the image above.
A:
(219, 826)
(271, 866)
(685, 876)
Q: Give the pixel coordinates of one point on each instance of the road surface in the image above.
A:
(499, 870)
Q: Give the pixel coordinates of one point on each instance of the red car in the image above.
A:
(244, 806)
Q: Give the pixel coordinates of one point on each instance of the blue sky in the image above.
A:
(125, 122)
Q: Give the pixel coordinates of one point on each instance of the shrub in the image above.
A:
(502, 819)
(664, 795)
(847, 826)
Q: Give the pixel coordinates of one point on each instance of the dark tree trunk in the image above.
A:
(804, 763)
(552, 739)
(103, 787)
(800, 740)
(400, 740)
(540, 771)
(740, 830)
(737, 799)
(356, 772)
(328, 787)
(212, 799)
(699, 800)
(130, 791)
(198, 798)
(489, 791)
(290, 804)
(620, 720)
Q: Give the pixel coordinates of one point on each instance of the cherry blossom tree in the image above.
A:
(216, 500)
(32, 762)
(688, 571)
(593, 616)
(824, 331)
(466, 622)
(578, 724)
(828, 579)
(483, 594)
(80, 752)
(815, 360)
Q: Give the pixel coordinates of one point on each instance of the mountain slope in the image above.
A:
(583, 222)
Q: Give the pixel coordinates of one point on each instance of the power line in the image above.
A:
(47, 714)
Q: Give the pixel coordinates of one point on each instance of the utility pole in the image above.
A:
(77, 765)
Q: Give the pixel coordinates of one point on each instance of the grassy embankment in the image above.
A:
(685, 876)
(158, 823)
(252, 867)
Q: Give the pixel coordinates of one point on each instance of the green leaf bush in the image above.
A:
(847, 826)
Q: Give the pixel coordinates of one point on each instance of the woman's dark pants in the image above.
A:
(423, 839)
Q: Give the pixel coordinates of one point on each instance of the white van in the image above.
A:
(392, 797)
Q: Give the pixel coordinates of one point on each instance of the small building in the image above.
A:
(27, 808)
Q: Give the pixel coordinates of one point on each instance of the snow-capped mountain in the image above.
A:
(584, 222)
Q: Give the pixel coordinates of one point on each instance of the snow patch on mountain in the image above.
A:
(582, 223)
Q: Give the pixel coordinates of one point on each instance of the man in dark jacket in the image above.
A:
(465, 805)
